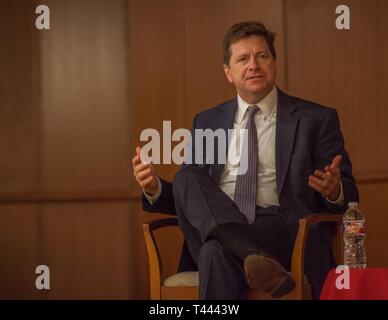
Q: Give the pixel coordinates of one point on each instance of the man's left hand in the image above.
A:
(328, 182)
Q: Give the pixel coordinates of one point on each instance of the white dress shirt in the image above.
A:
(265, 120)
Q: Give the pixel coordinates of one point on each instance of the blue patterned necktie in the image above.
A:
(246, 184)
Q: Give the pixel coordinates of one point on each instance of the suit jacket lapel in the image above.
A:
(225, 121)
(286, 125)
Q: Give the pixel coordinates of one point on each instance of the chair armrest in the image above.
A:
(297, 262)
(154, 259)
(160, 223)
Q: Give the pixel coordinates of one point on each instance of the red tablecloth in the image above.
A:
(364, 284)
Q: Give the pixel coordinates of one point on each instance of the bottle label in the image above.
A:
(355, 228)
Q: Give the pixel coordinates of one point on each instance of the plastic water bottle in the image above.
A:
(354, 237)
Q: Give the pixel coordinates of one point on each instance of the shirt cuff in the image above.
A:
(340, 200)
(152, 199)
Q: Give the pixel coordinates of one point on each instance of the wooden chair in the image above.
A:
(185, 285)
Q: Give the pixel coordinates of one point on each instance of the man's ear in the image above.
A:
(227, 73)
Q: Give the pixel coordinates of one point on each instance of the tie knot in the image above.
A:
(252, 110)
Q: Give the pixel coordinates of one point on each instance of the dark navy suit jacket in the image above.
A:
(308, 137)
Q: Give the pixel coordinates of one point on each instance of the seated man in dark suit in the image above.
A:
(240, 226)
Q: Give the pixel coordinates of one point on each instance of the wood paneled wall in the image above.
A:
(73, 101)
(19, 148)
(65, 135)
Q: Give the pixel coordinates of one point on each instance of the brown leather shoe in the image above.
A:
(265, 274)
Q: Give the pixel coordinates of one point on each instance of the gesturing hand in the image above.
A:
(144, 174)
(328, 182)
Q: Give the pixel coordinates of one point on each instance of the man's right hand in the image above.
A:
(144, 174)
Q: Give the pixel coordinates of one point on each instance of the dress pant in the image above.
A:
(202, 206)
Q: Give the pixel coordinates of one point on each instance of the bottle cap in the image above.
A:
(353, 204)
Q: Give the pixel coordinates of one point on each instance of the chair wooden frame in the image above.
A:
(302, 289)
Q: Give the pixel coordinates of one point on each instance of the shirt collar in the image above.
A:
(267, 105)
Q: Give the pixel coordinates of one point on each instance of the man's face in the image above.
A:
(251, 68)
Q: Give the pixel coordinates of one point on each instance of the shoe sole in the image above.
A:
(257, 262)
(284, 288)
